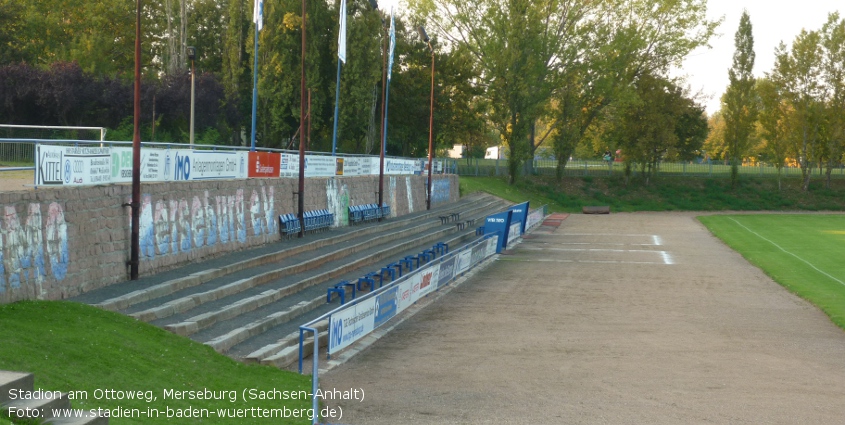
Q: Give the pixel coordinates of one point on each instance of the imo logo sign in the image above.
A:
(337, 332)
(495, 220)
(183, 167)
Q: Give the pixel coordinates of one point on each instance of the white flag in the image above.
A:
(341, 38)
(258, 14)
(392, 44)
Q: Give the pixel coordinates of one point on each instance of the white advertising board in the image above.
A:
(152, 165)
(72, 165)
(190, 165)
(351, 324)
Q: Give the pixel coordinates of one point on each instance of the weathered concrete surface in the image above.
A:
(616, 319)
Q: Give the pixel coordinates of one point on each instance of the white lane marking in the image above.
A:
(657, 240)
(593, 243)
(548, 260)
(603, 234)
(781, 248)
(531, 248)
(666, 257)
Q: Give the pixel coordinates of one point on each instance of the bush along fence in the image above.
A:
(598, 168)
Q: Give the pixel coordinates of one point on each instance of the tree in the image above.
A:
(660, 121)
(739, 103)
(797, 74)
(833, 43)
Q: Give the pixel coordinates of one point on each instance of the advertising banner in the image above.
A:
(264, 164)
(520, 214)
(190, 165)
(152, 165)
(534, 217)
(478, 253)
(320, 166)
(386, 306)
(289, 166)
(399, 166)
(514, 233)
(428, 280)
(352, 165)
(406, 292)
(72, 166)
(498, 224)
(464, 261)
(491, 245)
(447, 271)
(349, 325)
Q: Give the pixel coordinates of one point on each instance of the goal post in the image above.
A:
(17, 142)
(52, 132)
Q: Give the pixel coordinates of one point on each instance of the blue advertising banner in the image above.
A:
(499, 224)
(385, 306)
(520, 215)
(447, 271)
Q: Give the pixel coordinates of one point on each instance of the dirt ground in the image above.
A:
(16, 180)
(640, 318)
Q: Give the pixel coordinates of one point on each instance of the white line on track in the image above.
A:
(781, 248)
(657, 240)
(667, 259)
(549, 260)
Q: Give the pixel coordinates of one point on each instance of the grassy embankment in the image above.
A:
(667, 194)
(74, 347)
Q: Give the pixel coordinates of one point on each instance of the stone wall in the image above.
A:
(58, 243)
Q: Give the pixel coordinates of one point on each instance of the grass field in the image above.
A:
(74, 347)
(804, 253)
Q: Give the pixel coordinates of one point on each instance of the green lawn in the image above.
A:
(71, 346)
(804, 253)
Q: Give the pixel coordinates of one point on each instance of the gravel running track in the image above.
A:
(641, 318)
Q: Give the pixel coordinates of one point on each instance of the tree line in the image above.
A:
(561, 76)
(71, 62)
(794, 114)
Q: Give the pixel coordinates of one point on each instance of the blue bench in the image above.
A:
(368, 212)
(289, 225)
(318, 220)
(340, 289)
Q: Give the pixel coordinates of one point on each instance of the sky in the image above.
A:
(706, 69)
(771, 23)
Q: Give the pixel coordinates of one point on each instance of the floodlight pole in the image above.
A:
(136, 155)
(383, 100)
(192, 54)
(430, 118)
(302, 106)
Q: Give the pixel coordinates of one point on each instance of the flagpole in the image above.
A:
(341, 56)
(336, 108)
(256, 16)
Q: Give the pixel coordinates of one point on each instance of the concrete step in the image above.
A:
(132, 296)
(20, 401)
(243, 296)
(16, 381)
(277, 339)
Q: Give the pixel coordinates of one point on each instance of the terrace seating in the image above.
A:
(368, 212)
(340, 289)
(289, 225)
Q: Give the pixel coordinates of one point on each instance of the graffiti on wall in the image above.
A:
(23, 260)
(441, 190)
(175, 226)
(337, 200)
(410, 192)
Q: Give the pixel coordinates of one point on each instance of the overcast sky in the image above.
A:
(771, 21)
